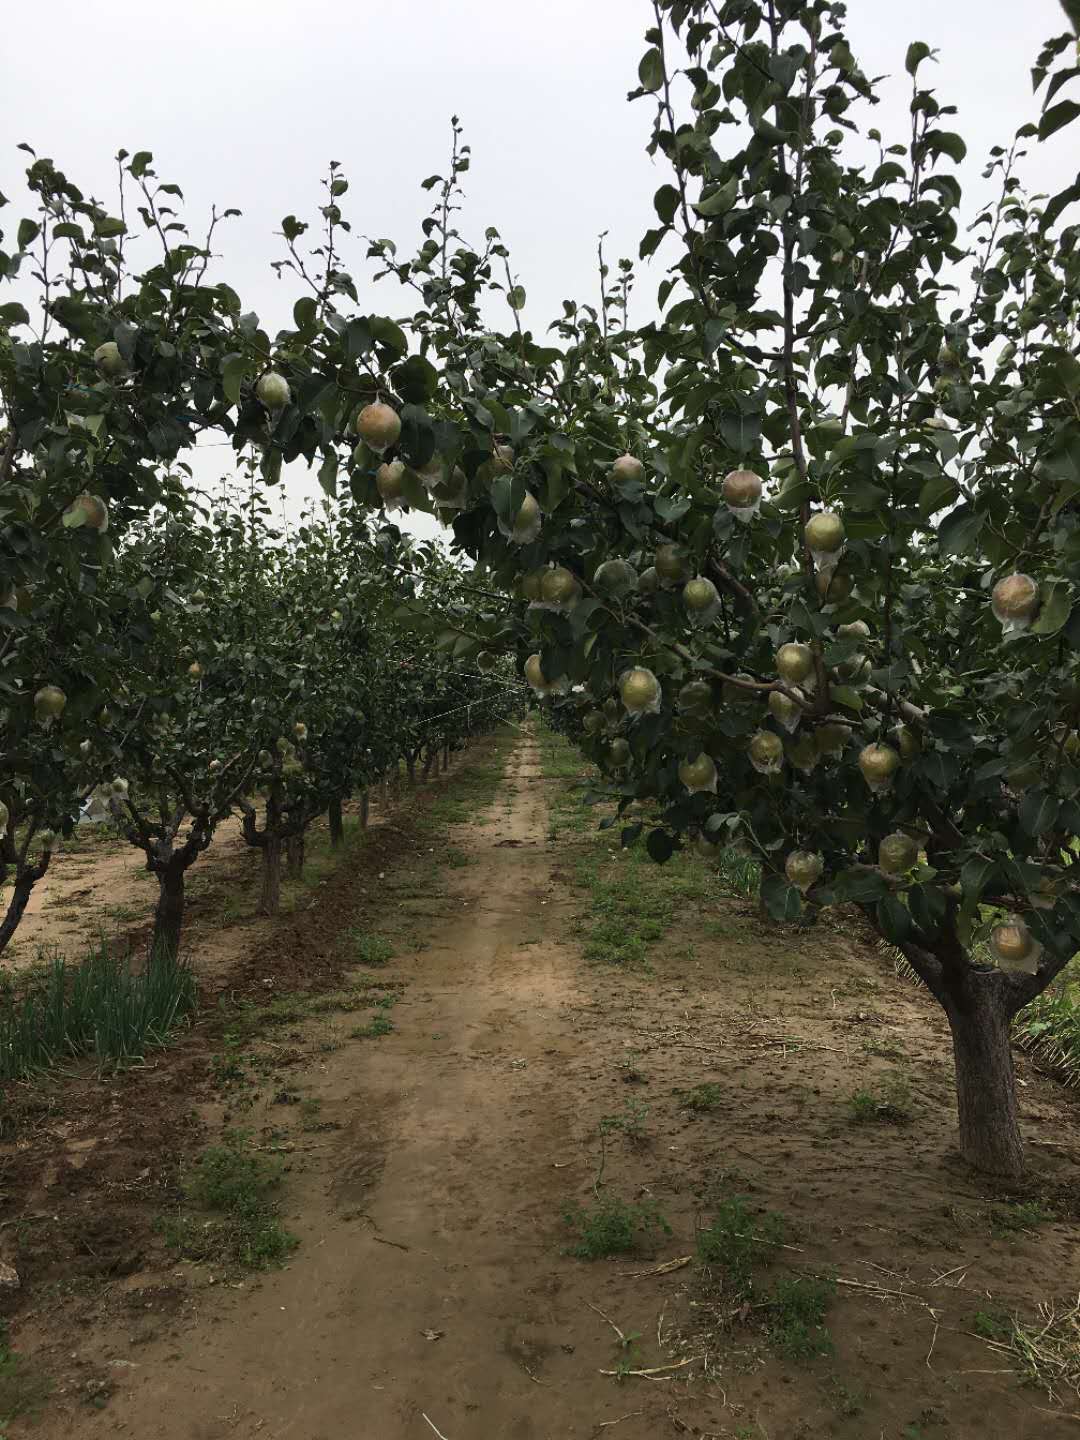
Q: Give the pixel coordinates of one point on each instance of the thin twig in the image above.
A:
(598, 1311)
(605, 1424)
(438, 1432)
(654, 1370)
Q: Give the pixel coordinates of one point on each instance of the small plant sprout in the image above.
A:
(640, 691)
(767, 753)
(378, 426)
(1014, 947)
(825, 539)
(1015, 602)
(879, 764)
(272, 390)
(699, 775)
(742, 494)
(804, 868)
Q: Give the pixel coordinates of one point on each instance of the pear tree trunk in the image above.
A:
(270, 898)
(169, 912)
(980, 1020)
(337, 825)
(365, 801)
(295, 848)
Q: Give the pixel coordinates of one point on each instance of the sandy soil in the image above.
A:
(432, 1292)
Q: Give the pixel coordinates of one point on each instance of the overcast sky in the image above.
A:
(244, 103)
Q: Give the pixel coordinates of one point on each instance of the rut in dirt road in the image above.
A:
(427, 1281)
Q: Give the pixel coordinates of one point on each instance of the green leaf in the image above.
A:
(660, 846)
(1057, 117)
(416, 379)
(1038, 811)
(938, 494)
(894, 919)
(233, 368)
(139, 163)
(417, 436)
(847, 697)
(651, 70)
(917, 52)
(515, 297)
(666, 202)
(27, 233)
(946, 142)
(959, 530)
(107, 227)
(385, 332)
(1053, 610)
(720, 201)
(328, 475)
(14, 314)
(782, 900)
(304, 313)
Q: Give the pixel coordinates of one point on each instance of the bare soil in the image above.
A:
(432, 1292)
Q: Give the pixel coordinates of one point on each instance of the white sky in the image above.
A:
(244, 103)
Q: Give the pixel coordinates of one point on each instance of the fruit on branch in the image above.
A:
(696, 698)
(109, 361)
(542, 686)
(527, 522)
(378, 426)
(559, 588)
(195, 670)
(671, 565)
(615, 578)
(741, 490)
(502, 459)
(794, 662)
(593, 722)
(804, 868)
(619, 751)
(648, 581)
(89, 511)
(824, 535)
(272, 390)
(640, 691)
(1014, 947)
(49, 704)
(897, 853)
(627, 467)
(1015, 602)
(702, 600)
(699, 774)
(785, 710)
(766, 752)
(832, 737)
(390, 481)
(879, 764)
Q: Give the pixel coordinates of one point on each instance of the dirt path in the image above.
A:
(432, 1278)
(428, 1215)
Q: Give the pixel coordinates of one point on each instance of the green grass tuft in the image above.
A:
(235, 1185)
(612, 1227)
(100, 1008)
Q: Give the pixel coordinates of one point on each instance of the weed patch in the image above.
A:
(796, 1323)
(233, 1185)
(708, 1096)
(99, 1007)
(888, 1102)
(737, 1241)
(612, 1227)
